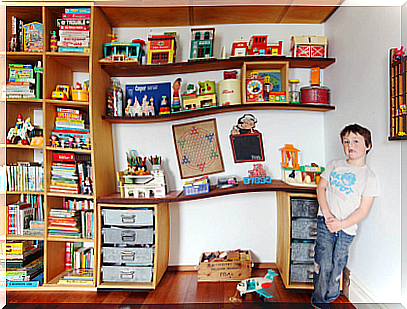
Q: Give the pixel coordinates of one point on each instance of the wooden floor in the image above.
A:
(176, 290)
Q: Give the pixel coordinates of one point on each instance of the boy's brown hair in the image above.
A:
(357, 129)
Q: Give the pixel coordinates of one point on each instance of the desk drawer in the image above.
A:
(127, 274)
(304, 229)
(128, 217)
(305, 208)
(128, 236)
(127, 255)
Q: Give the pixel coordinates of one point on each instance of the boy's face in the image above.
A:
(354, 147)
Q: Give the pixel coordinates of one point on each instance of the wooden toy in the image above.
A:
(176, 101)
(123, 51)
(254, 86)
(315, 94)
(20, 131)
(202, 41)
(207, 94)
(239, 48)
(62, 92)
(162, 48)
(33, 33)
(398, 53)
(257, 284)
(309, 46)
(295, 174)
(190, 101)
(257, 175)
(258, 46)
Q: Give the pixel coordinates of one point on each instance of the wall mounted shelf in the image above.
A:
(135, 70)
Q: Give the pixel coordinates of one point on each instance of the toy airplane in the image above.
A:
(257, 284)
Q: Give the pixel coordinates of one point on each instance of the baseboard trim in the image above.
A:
(362, 297)
(195, 267)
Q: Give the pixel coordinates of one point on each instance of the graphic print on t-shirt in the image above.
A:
(343, 182)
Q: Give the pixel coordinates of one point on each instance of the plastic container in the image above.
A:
(294, 92)
(80, 95)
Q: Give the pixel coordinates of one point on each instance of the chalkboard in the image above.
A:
(247, 147)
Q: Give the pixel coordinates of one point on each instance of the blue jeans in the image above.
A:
(331, 256)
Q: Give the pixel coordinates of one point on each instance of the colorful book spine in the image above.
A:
(72, 44)
(74, 28)
(76, 16)
(66, 49)
(77, 10)
(73, 22)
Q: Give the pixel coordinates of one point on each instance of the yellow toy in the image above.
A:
(62, 92)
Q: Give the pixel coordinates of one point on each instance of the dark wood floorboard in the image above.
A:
(177, 290)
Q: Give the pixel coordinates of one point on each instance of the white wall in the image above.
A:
(404, 184)
(359, 39)
(232, 221)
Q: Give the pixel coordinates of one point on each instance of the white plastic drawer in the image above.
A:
(127, 274)
(127, 255)
(134, 236)
(128, 217)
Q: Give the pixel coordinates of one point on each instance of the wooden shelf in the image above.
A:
(178, 196)
(219, 110)
(68, 149)
(126, 285)
(135, 70)
(70, 195)
(24, 237)
(18, 146)
(76, 62)
(67, 103)
(26, 192)
(70, 239)
(24, 55)
(397, 138)
(26, 101)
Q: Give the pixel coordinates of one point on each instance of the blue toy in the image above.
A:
(257, 284)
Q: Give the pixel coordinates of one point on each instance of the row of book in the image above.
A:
(19, 216)
(77, 204)
(24, 263)
(64, 223)
(26, 37)
(25, 176)
(78, 256)
(74, 33)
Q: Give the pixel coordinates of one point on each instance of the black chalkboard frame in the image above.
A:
(257, 146)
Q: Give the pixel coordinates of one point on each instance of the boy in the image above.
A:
(345, 193)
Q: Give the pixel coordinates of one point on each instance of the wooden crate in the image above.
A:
(227, 270)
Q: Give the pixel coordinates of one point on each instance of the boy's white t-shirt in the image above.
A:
(347, 184)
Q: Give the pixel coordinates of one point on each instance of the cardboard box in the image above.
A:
(227, 270)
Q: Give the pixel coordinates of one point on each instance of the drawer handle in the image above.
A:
(310, 274)
(129, 274)
(127, 256)
(128, 218)
(128, 236)
(313, 231)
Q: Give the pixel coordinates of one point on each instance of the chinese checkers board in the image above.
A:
(197, 148)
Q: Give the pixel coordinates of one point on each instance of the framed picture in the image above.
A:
(197, 148)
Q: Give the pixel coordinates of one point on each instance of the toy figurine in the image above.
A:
(62, 143)
(257, 284)
(398, 53)
(78, 143)
(54, 141)
(12, 44)
(86, 145)
(87, 186)
(70, 142)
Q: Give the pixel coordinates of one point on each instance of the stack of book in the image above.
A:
(36, 201)
(63, 223)
(71, 123)
(74, 30)
(78, 257)
(21, 82)
(78, 276)
(64, 178)
(19, 216)
(25, 176)
(24, 261)
(36, 228)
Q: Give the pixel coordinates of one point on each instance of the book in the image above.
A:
(73, 22)
(74, 28)
(78, 10)
(17, 246)
(74, 33)
(37, 281)
(79, 274)
(66, 49)
(82, 282)
(76, 16)
(68, 115)
(68, 110)
(73, 44)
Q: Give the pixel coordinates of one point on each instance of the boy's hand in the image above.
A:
(334, 225)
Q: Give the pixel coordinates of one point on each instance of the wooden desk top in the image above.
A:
(178, 195)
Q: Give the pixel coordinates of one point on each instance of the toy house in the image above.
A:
(162, 48)
(202, 43)
(239, 48)
(258, 46)
(129, 51)
(309, 46)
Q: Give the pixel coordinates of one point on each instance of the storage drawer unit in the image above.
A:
(304, 208)
(127, 274)
(302, 252)
(128, 217)
(301, 272)
(127, 255)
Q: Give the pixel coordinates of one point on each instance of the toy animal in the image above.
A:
(257, 284)
(15, 134)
